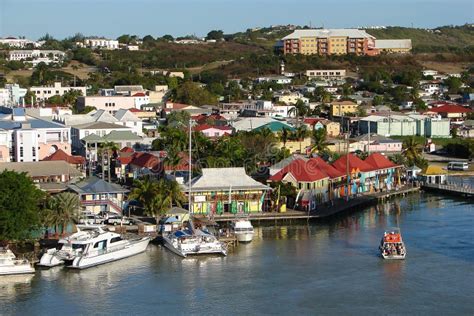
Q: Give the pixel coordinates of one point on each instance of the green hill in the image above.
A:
(441, 39)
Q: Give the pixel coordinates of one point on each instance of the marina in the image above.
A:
(299, 264)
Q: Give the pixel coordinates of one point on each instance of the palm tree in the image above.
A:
(300, 134)
(145, 191)
(300, 110)
(284, 136)
(319, 140)
(411, 149)
(64, 210)
(170, 193)
(110, 148)
(173, 159)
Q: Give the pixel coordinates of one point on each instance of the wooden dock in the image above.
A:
(328, 209)
(456, 189)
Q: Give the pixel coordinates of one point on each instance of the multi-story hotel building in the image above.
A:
(332, 42)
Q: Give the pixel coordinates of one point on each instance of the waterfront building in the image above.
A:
(360, 173)
(386, 172)
(46, 92)
(231, 190)
(97, 195)
(433, 175)
(50, 176)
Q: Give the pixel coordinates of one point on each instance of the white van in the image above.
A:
(458, 165)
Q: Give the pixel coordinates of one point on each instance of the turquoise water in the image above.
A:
(328, 267)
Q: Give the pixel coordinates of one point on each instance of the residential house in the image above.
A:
(102, 43)
(97, 195)
(77, 162)
(213, 119)
(378, 143)
(133, 165)
(451, 111)
(213, 131)
(275, 79)
(343, 108)
(37, 56)
(19, 42)
(158, 94)
(113, 103)
(226, 190)
(50, 176)
(291, 98)
(332, 128)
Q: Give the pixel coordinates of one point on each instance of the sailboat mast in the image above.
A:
(189, 169)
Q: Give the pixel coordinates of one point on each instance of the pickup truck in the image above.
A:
(117, 220)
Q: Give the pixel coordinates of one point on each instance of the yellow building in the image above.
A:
(343, 108)
(338, 45)
(296, 146)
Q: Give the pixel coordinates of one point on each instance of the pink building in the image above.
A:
(213, 131)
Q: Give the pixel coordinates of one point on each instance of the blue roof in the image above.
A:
(19, 112)
(35, 123)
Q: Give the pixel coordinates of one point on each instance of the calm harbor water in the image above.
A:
(326, 267)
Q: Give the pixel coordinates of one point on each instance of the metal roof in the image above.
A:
(224, 179)
(42, 168)
(393, 43)
(324, 33)
(94, 185)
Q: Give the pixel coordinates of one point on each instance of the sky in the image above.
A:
(112, 18)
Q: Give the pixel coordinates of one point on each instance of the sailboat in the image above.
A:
(192, 241)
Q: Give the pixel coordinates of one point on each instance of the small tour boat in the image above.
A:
(392, 246)
(92, 246)
(243, 230)
(193, 242)
(10, 265)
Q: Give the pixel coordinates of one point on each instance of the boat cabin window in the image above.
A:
(100, 244)
(78, 246)
(115, 239)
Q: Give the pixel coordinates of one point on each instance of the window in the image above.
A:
(33, 150)
(21, 151)
(115, 239)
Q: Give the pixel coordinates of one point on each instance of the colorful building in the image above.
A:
(226, 190)
(343, 108)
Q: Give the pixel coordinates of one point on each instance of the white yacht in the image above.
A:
(193, 242)
(243, 230)
(92, 246)
(9, 264)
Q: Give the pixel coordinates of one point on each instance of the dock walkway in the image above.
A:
(463, 190)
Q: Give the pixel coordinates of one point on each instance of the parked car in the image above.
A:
(116, 219)
(90, 219)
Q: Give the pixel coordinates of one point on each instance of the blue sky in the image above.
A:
(111, 18)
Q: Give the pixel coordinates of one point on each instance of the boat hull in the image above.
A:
(84, 262)
(49, 259)
(17, 269)
(244, 237)
(194, 250)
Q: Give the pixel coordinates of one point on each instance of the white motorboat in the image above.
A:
(243, 230)
(392, 246)
(92, 246)
(9, 264)
(193, 242)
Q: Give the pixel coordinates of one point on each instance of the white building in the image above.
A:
(36, 56)
(30, 138)
(19, 42)
(46, 92)
(328, 74)
(282, 111)
(274, 79)
(429, 72)
(101, 43)
(12, 95)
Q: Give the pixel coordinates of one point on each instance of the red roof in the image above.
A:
(301, 170)
(312, 120)
(354, 164)
(202, 118)
(135, 110)
(146, 160)
(379, 161)
(183, 166)
(127, 150)
(451, 108)
(139, 94)
(327, 168)
(61, 155)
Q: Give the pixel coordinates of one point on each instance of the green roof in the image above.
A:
(121, 135)
(92, 138)
(275, 127)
